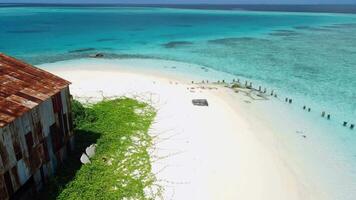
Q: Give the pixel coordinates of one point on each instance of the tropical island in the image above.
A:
(177, 101)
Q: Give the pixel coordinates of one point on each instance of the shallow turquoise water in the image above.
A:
(307, 56)
(310, 56)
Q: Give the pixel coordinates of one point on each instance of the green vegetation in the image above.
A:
(121, 167)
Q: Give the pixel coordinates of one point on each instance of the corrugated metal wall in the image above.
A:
(33, 145)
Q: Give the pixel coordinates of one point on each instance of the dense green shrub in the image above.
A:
(121, 168)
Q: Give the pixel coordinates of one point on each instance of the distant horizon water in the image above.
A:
(320, 8)
(305, 55)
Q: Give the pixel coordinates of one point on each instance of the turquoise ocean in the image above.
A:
(307, 56)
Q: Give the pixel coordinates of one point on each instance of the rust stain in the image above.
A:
(23, 87)
(27, 162)
(38, 130)
(41, 153)
(15, 141)
(36, 158)
(37, 125)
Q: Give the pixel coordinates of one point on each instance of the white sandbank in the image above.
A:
(227, 150)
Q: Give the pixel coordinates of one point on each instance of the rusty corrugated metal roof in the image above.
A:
(23, 86)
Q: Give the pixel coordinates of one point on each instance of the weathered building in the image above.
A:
(36, 130)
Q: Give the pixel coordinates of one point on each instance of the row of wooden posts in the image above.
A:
(323, 114)
(288, 100)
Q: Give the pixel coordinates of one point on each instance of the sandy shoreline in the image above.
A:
(217, 152)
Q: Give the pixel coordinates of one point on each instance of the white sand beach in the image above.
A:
(226, 150)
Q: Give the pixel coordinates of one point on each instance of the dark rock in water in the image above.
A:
(175, 44)
(82, 50)
(97, 55)
(200, 102)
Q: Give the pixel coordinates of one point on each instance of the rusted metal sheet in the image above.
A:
(38, 179)
(15, 178)
(6, 148)
(23, 171)
(3, 191)
(35, 127)
(8, 183)
(57, 103)
(4, 156)
(47, 116)
(23, 87)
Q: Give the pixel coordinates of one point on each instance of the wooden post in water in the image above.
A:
(259, 88)
(323, 114)
(272, 93)
(344, 124)
(290, 100)
(309, 109)
(265, 90)
(250, 84)
(246, 83)
(352, 126)
(287, 99)
(304, 107)
(275, 95)
(328, 116)
(223, 81)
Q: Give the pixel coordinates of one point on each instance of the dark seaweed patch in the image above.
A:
(323, 28)
(183, 25)
(235, 41)
(37, 60)
(175, 44)
(106, 39)
(284, 33)
(137, 29)
(349, 25)
(331, 26)
(319, 29)
(82, 50)
(301, 27)
(27, 31)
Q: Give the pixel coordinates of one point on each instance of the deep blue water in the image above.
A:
(319, 8)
